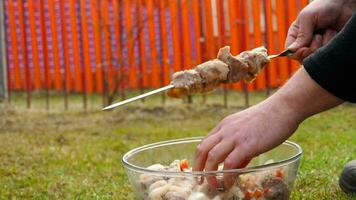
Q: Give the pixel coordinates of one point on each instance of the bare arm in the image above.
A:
(244, 135)
(303, 97)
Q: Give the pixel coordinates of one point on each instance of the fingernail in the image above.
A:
(293, 46)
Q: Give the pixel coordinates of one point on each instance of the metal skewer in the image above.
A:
(138, 97)
(168, 87)
(282, 54)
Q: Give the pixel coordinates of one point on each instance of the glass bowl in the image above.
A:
(159, 172)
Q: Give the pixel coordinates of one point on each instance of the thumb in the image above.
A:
(305, 32)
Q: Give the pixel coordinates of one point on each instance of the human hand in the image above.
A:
(244, 135)
(241, 136)
(317, 24)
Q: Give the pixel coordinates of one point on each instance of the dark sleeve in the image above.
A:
(333, 66)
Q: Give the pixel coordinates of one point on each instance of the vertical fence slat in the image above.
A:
(123, 67)
(235, 22)
(173, 6)
(221, 23)
(283, 66)
(260, 82)
(43, 29)
(86, 64)
(78, 83)
(271, 67)
(247, 37)
(55, 50)
(67, 75)
(142, 64)
(222, 37)
(34, 44)
(108, 66)
(27, 72)
(246, 45)
(119, 86)
(164, 45)
(186, 56)
(130, 43)
(96, 28)
(155, 82)
(88, 74)
(14, 45)
(292, 15)
(196, 11)
(142, 22)
(208, 31)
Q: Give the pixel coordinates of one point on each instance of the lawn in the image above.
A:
(61, 154)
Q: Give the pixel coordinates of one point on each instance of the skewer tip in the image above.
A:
(107, 108)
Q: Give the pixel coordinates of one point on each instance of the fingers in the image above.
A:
(202, 151)
(316, 43)
(215, 130)
(328, 35)
(304, 52)
(236, 159)
(215, 156)
(292, 34)
(305, 29)
(299, 54)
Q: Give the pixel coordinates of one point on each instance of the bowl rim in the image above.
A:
(136, 168)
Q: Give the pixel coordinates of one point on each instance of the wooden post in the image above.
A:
(3, 65)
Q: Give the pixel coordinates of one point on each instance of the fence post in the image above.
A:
(3, 65)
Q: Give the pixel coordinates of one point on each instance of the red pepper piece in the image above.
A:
(280, 173)
(258, 193)
(183, 165)
(248, 194)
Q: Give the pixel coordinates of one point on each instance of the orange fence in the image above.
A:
(111, 45)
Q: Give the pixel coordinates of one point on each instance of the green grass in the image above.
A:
(61, 154)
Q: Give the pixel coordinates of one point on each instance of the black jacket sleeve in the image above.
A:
(333, 66)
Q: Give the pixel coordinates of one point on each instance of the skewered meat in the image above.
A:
(204, 78)
(225, 69)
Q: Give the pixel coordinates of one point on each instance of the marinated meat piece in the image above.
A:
(204, 78)
(158, 193)
(147, 180)
(267, 185)
(255, 59)
(225, 69)
(186, 82)
(177, 193)
(247, 181)
(157, 184)
(277, 189)
(213, 73)
(237, 68)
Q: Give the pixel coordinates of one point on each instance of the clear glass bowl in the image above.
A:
(150, 170)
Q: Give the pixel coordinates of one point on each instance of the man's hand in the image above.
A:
(244, 135)
(317, 24)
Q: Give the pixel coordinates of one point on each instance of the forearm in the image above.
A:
(300, 98)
